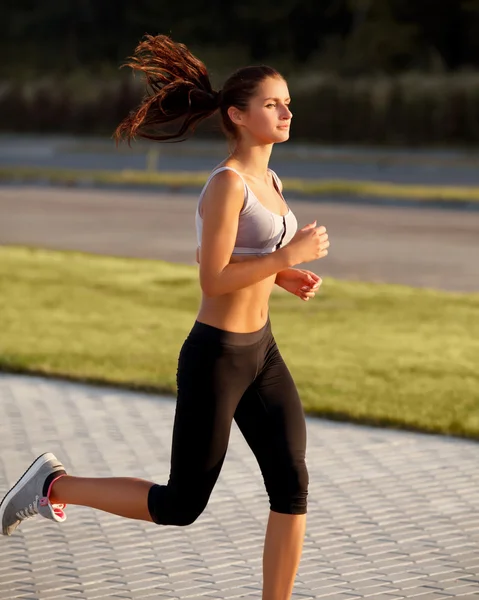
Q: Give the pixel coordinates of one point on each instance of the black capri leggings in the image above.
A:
(224, 376)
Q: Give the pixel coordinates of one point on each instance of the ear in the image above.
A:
(235, 115)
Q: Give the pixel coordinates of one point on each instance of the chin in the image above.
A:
(282, 136)
(275, 137)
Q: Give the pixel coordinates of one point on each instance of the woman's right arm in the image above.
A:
(220, 208)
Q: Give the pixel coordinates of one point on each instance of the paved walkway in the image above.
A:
(392, 514)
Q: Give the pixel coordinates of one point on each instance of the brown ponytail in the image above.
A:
(180, 91)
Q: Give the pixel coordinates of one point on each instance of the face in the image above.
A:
(268, 118)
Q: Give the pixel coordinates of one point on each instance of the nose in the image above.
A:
(287, 114)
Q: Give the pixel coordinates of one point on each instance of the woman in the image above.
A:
(229, 366)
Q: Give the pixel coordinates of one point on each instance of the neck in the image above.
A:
(253, 159)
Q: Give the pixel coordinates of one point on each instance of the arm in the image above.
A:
(292, 272)
(281, 275)
(220, 209)
(278, 275)
(300, 282)
(284, 271)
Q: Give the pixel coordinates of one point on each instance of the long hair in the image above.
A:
(179, 91)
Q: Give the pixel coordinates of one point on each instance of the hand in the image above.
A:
(300, 282)
(309, 243)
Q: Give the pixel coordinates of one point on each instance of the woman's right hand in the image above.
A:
(309, 243)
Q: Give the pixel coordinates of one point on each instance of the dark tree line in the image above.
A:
(361, 63)
(351, 37)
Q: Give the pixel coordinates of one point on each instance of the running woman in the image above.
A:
(229, 365)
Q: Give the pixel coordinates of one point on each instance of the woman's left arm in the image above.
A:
(300, 282)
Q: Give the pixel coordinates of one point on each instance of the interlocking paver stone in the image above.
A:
(391, 514)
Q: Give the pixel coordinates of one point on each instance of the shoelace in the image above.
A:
(30, 511)
(58, 509)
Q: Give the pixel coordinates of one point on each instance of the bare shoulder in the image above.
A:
(226, 187)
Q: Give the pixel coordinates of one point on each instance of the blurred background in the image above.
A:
(383, 152)
(395, 72)
(384, 91)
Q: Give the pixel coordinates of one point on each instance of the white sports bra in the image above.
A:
(260, 231)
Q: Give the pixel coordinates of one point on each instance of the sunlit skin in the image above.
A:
(241, 308)
(266, 121)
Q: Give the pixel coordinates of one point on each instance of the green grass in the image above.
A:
(183, 179)
(381, 354)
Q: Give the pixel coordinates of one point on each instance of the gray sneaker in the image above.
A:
(29, 496)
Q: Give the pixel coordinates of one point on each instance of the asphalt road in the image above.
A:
(290, 160)
(425, 247)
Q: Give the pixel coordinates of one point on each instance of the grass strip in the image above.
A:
(378, 354)
(184, 179)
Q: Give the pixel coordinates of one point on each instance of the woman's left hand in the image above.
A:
(300, 282)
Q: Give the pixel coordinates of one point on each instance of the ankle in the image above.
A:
(53, 493)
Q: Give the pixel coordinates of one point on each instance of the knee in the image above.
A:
(288, 494)
(169, 508)
(186, 515)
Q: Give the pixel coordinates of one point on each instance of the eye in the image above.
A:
(270, 105)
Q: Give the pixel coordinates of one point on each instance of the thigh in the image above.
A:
(271, 418)
(211, 380)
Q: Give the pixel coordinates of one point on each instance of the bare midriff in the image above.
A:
(243, 311)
